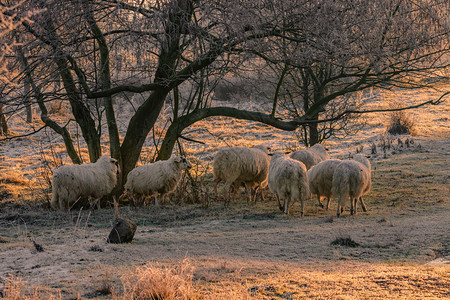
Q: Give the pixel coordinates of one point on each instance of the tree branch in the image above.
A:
(22, 135)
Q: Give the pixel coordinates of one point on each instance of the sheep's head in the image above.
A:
(320, 148)
(116, 164)
(263, 147)
(107, 161)
(182, 163)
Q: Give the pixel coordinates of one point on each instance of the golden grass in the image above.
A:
(233, 279)
(16, 289)
(411, 180)
(159, 282)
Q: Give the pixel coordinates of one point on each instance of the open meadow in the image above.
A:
(195, 248)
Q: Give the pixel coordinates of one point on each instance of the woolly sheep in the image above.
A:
(238, 166)
(311, 156)
(320, 179)
(69, 183)
(161, 177)
(288, 180)
(352, 179)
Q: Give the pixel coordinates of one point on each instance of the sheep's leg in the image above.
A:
(353, 205)
(216, 183)
(363, 205)
(236, 193)
(262, 195)
(279, 203)
(227, 193)
(286, 206)
(320, 202)
(301, 206)
(328, 203)
(61, 203)
(338, 212)
(249, 191)
(254, 193)
(156, 198)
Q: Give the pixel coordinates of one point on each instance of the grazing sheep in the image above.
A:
(320, 179)
(69, 183)
(161, 177)
(352, 179)
(288, 181)
(311, 156)
(238, 166)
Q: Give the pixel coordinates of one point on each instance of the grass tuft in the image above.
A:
(156, 282)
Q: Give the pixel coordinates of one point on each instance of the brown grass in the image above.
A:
(222, 279)
(16, 289)
(242, 252)
(158, 282)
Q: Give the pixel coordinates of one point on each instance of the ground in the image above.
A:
(244, 251)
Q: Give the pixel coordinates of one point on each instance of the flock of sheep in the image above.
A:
(290, 177)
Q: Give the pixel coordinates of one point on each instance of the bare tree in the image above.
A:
(353, 46)
(104, 51)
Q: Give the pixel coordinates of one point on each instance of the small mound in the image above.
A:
(345, 241)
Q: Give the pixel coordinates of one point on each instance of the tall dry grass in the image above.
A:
(157, 282)
(16, 289)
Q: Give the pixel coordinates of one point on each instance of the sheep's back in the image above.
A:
(305, 157)
(286, 174)
(348, 179)
(320, 177)
(158, 177)
(240, 164)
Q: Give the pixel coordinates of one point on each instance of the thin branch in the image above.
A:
(192, 140)
(23, 135)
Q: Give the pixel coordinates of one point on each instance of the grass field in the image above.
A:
(198, 249)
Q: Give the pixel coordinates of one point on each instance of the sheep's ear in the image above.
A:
(178, 159)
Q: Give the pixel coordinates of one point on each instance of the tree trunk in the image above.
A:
(79, 110)
(105, 75)
(172, 134)
(313, 131)
(139, 127)
(44, 113)
(3, 123)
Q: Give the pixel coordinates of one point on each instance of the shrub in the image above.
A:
(155, 282)
(400, 123)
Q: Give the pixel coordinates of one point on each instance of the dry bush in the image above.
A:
(49, 162)
(194, 185)
(400, 123)
(158, 282)
(16, 289)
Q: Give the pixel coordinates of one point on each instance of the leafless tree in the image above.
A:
(104, 51)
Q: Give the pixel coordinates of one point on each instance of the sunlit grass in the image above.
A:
(212, 278)
(409, 181)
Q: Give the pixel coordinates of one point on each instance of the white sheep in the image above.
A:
(161, 178)
(320, 179)
(238, 166)
(311, 156)
(70, 183)
(352, 179)
(288, 181)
